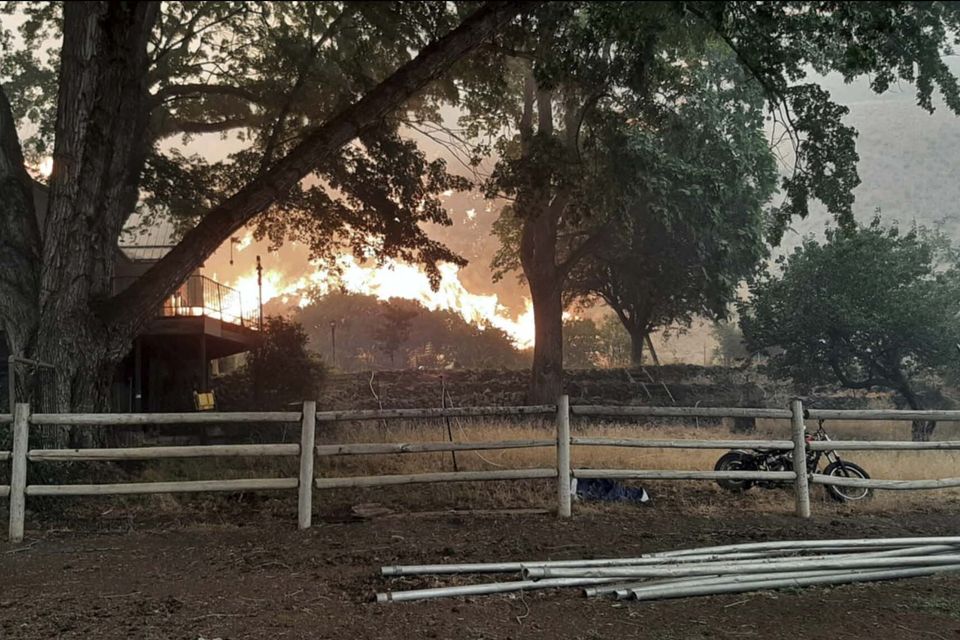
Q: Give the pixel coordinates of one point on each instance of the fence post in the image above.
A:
(563, 457)
(802, 485)
(307, 435)
(18, 470)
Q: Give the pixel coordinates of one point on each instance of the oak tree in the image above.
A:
(871, 307)
(311, 93)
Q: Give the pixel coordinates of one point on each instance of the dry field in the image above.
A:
(698, 497)
(899, 465)
(701, 498)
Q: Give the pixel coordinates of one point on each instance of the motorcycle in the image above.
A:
(779, 460)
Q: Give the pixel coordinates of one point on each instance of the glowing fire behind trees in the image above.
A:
(393, 280)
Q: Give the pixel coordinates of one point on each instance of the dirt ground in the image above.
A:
(242, 570)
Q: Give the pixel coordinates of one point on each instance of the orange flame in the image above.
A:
(397, 280)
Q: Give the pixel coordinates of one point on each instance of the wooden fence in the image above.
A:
(563, 471)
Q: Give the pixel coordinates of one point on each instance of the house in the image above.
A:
(202, 322)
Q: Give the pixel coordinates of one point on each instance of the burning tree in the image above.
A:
(311, 93)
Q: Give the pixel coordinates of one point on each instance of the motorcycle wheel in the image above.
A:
(847, 494)
(735, 461)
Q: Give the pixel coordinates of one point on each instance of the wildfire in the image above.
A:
(396, 280)
(244, 242)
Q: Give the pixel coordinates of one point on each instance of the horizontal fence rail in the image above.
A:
(563, 472)
(189, 486)
(154, 453)
(368, 448)
(901, 485)
(882, 414)
(670, 474)
(683, 444)
(134, 419)
(680, 412)
(883, 445)
(452, 412)
(429, 478)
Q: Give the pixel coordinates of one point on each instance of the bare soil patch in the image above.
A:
(239, 569)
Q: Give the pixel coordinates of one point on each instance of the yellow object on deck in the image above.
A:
(204, 401)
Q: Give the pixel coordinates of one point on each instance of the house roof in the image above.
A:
(147, 245)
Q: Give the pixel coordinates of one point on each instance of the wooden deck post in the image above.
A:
(563, 457)
(802, 484)
(18, 471)
(307, 437)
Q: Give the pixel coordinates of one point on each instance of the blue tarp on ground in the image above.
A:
(604, 490)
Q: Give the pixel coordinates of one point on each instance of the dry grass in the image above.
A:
(698, 498)
(705, 497)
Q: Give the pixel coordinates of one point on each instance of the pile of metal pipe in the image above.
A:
(736, 568)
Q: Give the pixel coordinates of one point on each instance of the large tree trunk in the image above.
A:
(541, 205)
(920, 430)
(636, 348)
(546, 379)
(19, 241)
(99, 152)
(538, 249)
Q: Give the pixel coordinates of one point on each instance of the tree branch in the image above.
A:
(585, 248)
(847, 382)
(195, 90)
(280, 123)
(134, 306)
(171, 126)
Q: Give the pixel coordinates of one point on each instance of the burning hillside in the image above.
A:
(393, 280)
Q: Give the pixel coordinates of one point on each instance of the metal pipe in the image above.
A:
(626, 592)
(491, 587)
(814, 544)
(516, 567)
(836, 578)
(762, 549)
(725, 568)
(655, 584)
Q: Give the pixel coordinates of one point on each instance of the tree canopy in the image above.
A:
(579, 72)
(281, 371)
(375, 334)
(871, 307)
